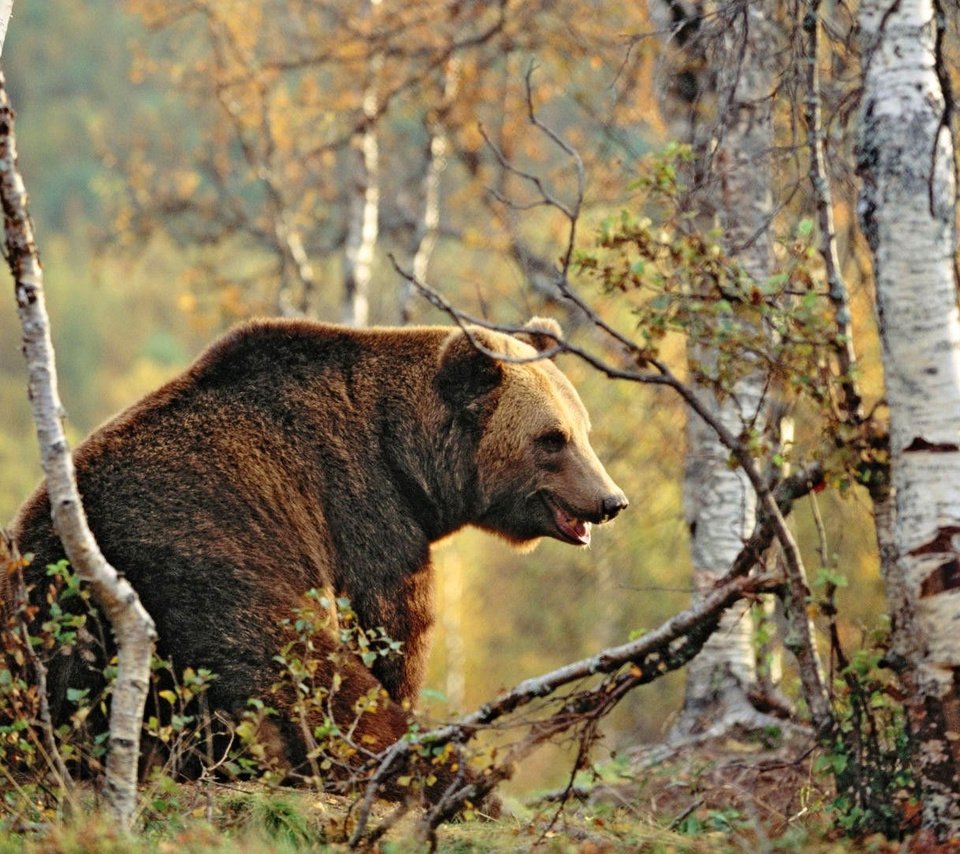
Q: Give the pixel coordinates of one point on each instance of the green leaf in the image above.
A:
(77, 695)
(826, 575)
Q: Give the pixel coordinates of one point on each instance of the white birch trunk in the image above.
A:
(132, 626)
(363, 227)
(364, 213)
(6, 10)
(907, 210)
(428, 229)
(720, 507)
(720, 504)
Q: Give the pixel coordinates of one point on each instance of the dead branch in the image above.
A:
(664, 649)
(132, 626)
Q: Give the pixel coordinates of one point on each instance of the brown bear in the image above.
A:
(295, 455)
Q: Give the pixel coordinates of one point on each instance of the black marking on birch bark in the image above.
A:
(893, 660)
(941, 724)
(26, 296)
(944, 577)
(867, 154)
(941, 544)
(920, 444)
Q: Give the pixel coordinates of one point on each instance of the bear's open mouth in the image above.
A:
(570, 528)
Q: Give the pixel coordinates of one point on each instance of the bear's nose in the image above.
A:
(613, 504)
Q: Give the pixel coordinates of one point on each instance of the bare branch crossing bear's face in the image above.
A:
(295, 455)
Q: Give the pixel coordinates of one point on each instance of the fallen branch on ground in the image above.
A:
(627, 666)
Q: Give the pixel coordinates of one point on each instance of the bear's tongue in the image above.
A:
(572, 527)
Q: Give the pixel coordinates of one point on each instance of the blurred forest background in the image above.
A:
(175, 192)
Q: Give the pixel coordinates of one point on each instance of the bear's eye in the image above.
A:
(552, 442)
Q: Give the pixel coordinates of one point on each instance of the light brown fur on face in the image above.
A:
(538, 440)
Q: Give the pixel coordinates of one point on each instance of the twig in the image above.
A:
(465, 321)
(54, 757)
(787, 491)
(571, 211)
(685, 814)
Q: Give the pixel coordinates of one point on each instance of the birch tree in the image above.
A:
(427, 230)
(720, 100)
(906, 160)
(364, 202)
(132, 626)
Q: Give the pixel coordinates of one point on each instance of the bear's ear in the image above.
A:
(541, 333)
(465, 373)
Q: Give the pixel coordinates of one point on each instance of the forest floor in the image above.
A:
(727, 795)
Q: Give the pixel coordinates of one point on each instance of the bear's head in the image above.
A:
(536, 472)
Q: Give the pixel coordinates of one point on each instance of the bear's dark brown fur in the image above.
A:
(296, 455)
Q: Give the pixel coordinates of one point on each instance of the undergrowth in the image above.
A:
(214, 787)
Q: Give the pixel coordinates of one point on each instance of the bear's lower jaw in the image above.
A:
(569, 528)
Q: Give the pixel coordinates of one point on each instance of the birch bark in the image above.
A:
(364, 214)
(6, 9)
(719, 503)
(131, 624)
(906, 160)
(427, 230)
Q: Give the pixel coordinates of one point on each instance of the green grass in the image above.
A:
(255, 819)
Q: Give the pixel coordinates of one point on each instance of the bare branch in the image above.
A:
(286, 240)
(787, 491)
(666, 648)
(13, 604)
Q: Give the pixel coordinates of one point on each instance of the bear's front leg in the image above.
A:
(405, 613)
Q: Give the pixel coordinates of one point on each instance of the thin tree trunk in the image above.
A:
(720, 507)
(132, 626)
(907, 163)
(364, 211)
(737, 72)
(823, 195)
(428, 228)
(6, 9)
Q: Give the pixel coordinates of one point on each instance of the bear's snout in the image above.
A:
(611, 505)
